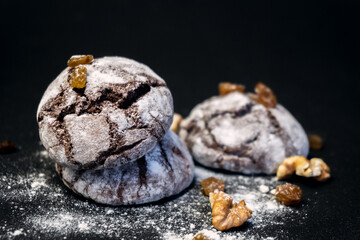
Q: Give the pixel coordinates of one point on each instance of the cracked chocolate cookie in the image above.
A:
(236, 133)
(120, 114)
(164, 171)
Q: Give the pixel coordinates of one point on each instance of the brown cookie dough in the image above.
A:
(235, 133)
(124, 109)
(164, 171)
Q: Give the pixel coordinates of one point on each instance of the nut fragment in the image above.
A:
(290, 165)
(176, 123)
(320, 169)
(78, 77)
(225, 214)
(316, 167)
(288, 194)
(266, 96)
(226, 88)
(7, 147)
(79, 59)
(201, 236)
(315, 141)
(211, 184)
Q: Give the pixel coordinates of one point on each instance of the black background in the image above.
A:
(307, 52)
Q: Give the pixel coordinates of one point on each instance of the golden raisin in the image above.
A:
(7, 147)
(201, 236)
(288, 194)
(78, 77)
(79, 59)
(226, 88)
(315, 141)
(175, 126)
(211, 184)
(266, 96)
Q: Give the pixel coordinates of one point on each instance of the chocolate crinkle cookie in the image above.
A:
(237, 133)
(103, 113)
(164, 171)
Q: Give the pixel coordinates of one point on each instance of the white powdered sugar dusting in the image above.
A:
(37, 204)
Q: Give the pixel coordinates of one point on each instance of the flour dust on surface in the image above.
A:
(36, 203)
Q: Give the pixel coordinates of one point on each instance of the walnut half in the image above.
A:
(226, 214)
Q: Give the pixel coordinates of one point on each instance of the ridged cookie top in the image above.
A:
(122, 112)
(237, 134)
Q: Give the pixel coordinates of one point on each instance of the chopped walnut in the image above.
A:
(288, 194)
(79, 59)
(175, 126)
(226, 214)
(226, 88)
(201, 236)
(303, 167)
(320, 169)
(315, 141)
(212, 184)
(290, 165)
(266, 96)
(78, 77)
(7, 147)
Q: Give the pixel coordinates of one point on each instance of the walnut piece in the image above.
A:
(201, 236)
(79, 59)
(266, 96)
(226, 214)
(290, 165)
(226, 88)
(175, 125)
(315, 141)
(78, 77)
(316, 168)
(288, 194)
(320, 169)
(211, 184)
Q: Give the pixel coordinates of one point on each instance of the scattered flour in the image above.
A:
(17, 232)
(47, 209)
(110, 212)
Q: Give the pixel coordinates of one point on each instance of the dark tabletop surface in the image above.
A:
(307, 52)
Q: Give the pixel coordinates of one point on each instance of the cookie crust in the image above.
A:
(165, 171)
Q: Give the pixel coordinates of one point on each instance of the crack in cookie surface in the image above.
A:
(284, 137)
(145, 180)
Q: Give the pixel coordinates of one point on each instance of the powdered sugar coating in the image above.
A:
(234, 133)
(123, 111)
(164, 171)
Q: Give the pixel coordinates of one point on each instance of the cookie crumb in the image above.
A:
(264, 189)
(109, 212)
